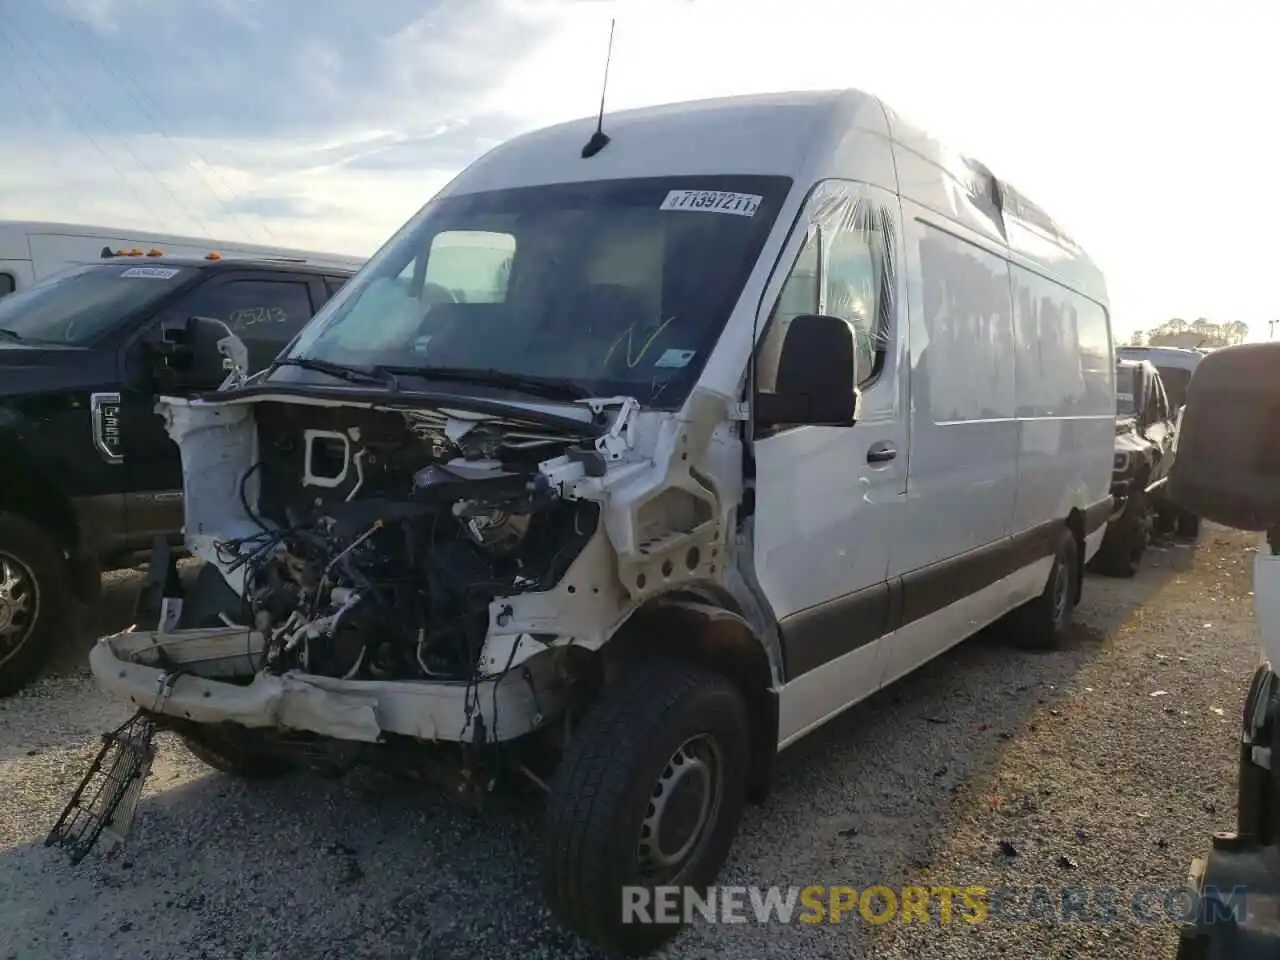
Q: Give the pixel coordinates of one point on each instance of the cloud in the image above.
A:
(250, 119)
(283, 121)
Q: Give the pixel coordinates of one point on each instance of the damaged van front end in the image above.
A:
(433, 572)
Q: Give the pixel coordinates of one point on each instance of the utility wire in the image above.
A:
(15, 46)
(131, 86)
(28, 100)
(123, 142)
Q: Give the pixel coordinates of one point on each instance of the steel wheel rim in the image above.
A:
(683, 807)
(1061, 591)
(19, 605)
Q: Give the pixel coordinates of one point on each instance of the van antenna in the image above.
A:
(599, 140)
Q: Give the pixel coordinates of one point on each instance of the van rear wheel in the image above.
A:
(648, 794)
(1042, 623)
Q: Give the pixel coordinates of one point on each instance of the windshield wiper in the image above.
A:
(550, 388)
(380, 376)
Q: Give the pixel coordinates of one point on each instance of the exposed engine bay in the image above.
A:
(382, 539)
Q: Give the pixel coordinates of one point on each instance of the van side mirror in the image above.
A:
(199, 353)
(817, 377)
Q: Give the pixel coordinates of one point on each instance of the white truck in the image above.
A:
(32, 250)
(631, 466)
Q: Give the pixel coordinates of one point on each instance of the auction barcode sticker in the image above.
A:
(712, 201)
(150, 273)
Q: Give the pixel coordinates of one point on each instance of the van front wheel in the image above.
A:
(1041, 623)
(648, 794)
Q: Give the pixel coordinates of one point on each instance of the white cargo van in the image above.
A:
(633, 465)
(31, 251)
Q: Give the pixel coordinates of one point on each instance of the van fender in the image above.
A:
(706, 631)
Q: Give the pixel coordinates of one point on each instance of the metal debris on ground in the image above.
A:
(106, 801)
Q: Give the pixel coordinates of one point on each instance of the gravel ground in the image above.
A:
(1066, 754)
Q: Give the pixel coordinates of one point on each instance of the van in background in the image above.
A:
(32, 250)
(1175, 365)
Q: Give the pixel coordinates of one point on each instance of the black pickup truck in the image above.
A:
(1146, 441)
(88, 476)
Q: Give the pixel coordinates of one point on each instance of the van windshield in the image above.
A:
(78, 305)
(612, 286)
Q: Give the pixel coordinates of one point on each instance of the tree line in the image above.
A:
(1191, 334)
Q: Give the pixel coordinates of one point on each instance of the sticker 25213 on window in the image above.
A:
(712, 201)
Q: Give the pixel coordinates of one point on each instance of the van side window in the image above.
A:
(965, 332)
(1062, 366)
(7, 284)
(800, 295)
(858, 276)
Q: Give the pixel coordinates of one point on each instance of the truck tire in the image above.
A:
(232, 753)
(1125, 540)
(1042, 623)
(649, 793)
(35, 601)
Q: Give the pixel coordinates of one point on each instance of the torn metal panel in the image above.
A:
(396, 567)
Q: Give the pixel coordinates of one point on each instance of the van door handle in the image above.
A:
(881, 452)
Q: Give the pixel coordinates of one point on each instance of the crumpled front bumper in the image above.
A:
(357, 710)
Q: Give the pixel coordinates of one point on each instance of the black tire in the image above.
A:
(1126, 540)
(1042, 623)
(35, 601)
(232, 753)
(1188, 525)
(662, 722)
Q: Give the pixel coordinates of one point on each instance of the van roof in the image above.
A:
(1172, 351)
(768, 134)
(804, 135)
(1179, 357)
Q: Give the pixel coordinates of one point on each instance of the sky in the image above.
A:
(1144, 126)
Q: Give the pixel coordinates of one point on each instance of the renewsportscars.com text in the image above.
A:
(933, 904)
